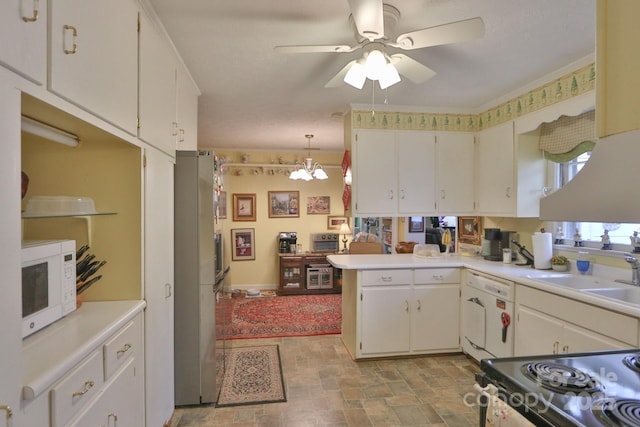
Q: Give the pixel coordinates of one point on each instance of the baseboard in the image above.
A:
(261, 287)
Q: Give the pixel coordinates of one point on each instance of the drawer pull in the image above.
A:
(8, 412)
(124, 349)
(115, 419)
(34, 16)
(386, 278)
(74, 34)
(88, 385)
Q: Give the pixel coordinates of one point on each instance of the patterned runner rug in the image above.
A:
(253, 375)
(281, 316)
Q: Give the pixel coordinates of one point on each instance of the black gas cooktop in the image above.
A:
(581, 389)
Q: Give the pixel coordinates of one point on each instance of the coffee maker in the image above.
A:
(287, 241)
(498, 240)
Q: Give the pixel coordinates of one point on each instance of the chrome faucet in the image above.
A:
(635, 272)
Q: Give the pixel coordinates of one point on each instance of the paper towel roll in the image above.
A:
(542, 250)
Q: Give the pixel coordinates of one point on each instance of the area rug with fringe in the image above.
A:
(253, 375)
(280, 316)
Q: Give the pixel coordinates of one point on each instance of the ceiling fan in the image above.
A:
(374, 23)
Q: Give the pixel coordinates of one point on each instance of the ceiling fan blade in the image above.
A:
(454, 32)
(315, 49)
(411, 69)
(338, 79)
(368, 16)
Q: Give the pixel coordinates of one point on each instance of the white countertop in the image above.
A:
(525, 275)
(50, 353)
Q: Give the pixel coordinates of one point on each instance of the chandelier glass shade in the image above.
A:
(308, 170)
(374, 66)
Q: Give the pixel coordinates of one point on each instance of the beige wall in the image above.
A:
(263, 271)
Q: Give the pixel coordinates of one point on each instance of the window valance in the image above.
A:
(568, 137)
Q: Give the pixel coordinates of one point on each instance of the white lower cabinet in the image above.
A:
(408, 312)
(103, 388)
(548, 324)
(386, 320)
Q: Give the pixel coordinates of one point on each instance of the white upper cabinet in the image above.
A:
(157, 125)
(186, 112)
(394, 173)
(23, 29)
(510, 172)
(374, 173)
(416, 165)
(94, 57)
(494, 171)
(455, 165)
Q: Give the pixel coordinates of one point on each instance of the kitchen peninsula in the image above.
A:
(400, 305)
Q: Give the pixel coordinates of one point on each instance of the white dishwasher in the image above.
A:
(487, 313)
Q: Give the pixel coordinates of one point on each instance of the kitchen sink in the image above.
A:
(628, 294)
(576, 281)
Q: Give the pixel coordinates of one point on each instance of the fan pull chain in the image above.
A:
(373, 102)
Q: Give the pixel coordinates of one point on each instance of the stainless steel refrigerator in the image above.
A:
(195, 280)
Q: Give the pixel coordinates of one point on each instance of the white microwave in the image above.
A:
(48, 282)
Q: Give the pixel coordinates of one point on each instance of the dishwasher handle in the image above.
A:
(475, 300)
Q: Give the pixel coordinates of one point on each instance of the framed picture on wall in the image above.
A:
(284, 204)
(469, 230)
(244, 207)
(416, 224)
(243, 242)
(334, 222)
(318, 205)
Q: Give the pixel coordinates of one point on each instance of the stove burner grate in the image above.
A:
(632, 362)
(618, 412)
(561, 378)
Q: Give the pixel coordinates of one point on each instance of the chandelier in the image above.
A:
(308, 170)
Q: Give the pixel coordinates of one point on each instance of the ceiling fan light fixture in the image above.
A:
(389, 77)
(356, 76)
(375, 64)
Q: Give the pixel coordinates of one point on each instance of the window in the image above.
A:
(591, 232)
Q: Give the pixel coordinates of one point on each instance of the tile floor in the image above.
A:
(326, 388)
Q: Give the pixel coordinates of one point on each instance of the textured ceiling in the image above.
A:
(255, 98)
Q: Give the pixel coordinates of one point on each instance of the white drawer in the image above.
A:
(76, 389)
(121, 347)
(386, 277)
(436, 275)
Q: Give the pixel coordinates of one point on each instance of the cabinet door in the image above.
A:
(456, 189)
(385, 321)
(416, 165)
(436, 317)
(94, 57)
(158, 286)
(119, 404)
(23, 29)
(577, 339)
(374, 174)
(157, 105)
(187, 112)
(11, 365)
(537, 333)
(494, 173)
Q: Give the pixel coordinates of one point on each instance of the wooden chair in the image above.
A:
(365, 248)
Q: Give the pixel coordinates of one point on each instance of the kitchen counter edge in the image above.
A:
(522, 275)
